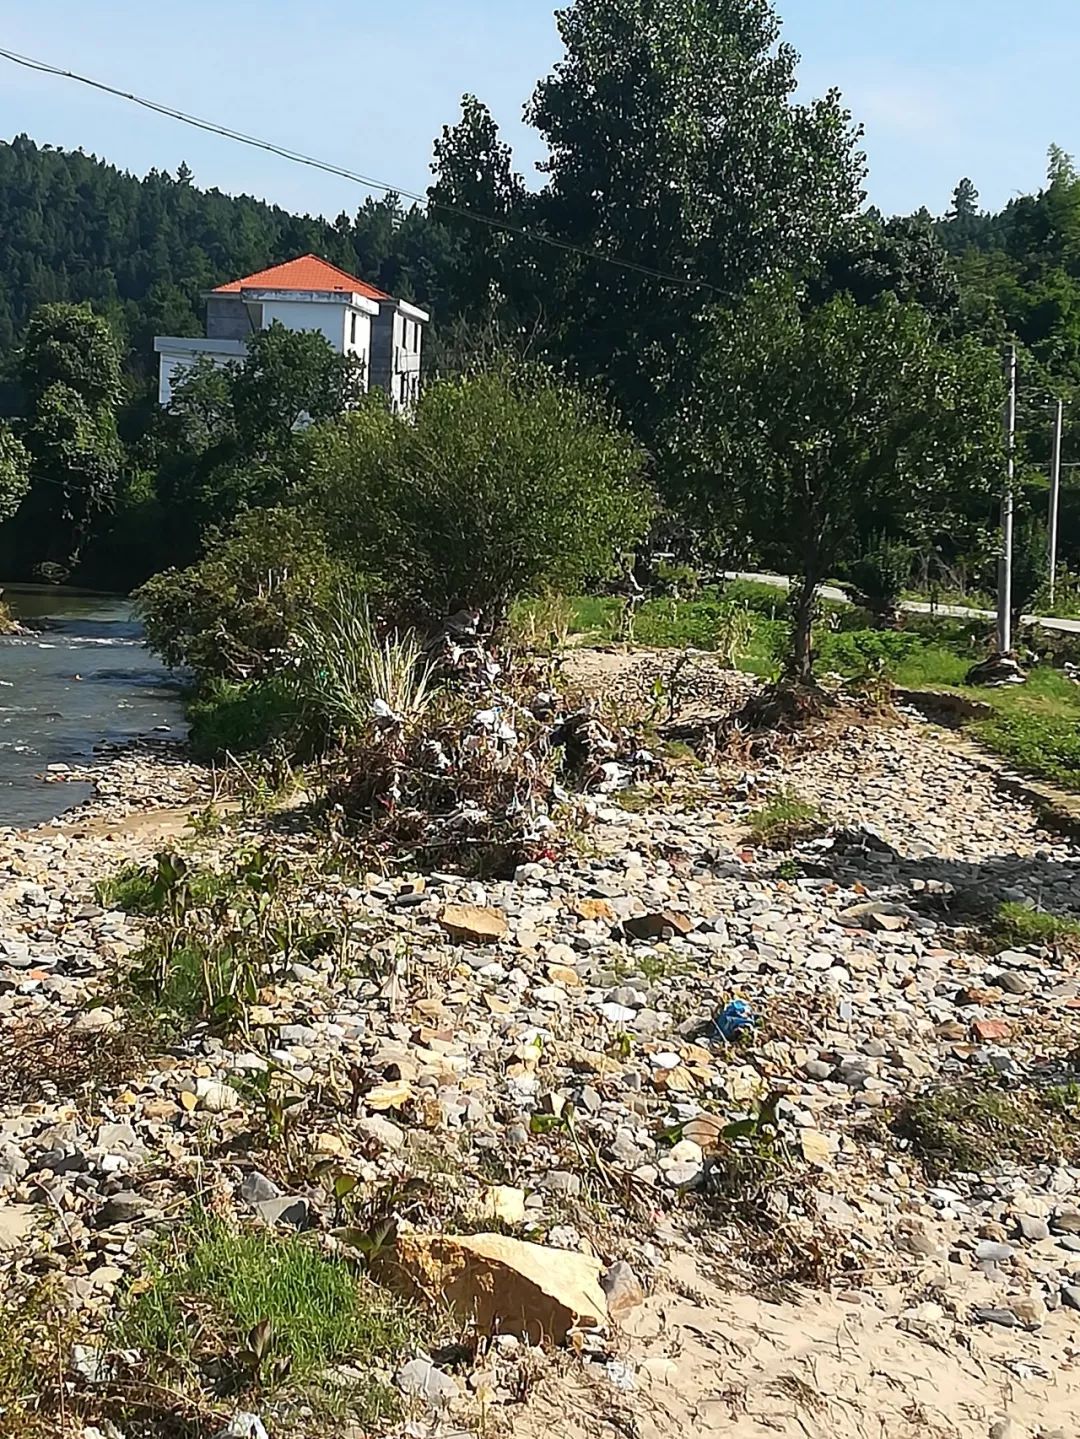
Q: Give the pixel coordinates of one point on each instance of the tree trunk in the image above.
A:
(801, 667)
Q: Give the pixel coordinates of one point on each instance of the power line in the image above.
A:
(297, 157)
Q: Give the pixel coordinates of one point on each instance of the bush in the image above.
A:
(234, 615)
(506, 483)
(243, 719)
(880, 576)
(853, 651)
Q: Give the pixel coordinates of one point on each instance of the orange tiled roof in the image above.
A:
(306, 273)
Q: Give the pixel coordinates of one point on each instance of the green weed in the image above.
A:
(1017, 925)
(785, 821)
(971, 1127)
(226, 1309)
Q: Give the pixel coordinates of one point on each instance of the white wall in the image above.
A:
(362, 348)
(328, 319)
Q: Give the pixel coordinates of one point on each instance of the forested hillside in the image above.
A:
(141, 251)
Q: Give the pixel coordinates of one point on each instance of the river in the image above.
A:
(83, 678)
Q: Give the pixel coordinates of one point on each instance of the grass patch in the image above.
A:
(972, 1127)
(635, 799)
(785, 821)
(1041, 742)
(224, 1310)
(1017, 925)
(143, 890)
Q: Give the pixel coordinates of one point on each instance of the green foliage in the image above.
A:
(505, 483)
(148, 889)
(853, 651)
(251, 717)
(348, 677)
(69, 345)
(69, 371)
(474, 173)
(213, 943)
(235, 614)
(813, 425)
(785, 822)
(1015, 925)
(881, 574)
(235, 428)
(14, 472)
(276, 1311)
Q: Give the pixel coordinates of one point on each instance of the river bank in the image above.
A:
(550, 1058)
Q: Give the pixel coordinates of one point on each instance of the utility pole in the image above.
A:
(1055, 495)
(1004, 616)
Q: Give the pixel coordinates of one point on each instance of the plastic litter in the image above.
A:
(734, 1019)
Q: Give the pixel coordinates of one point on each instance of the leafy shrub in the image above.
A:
(854, 651)
(244, 719)
(234, 615)
(881, 574)
(506, 483)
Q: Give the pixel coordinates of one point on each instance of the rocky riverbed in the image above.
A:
(539, 1055)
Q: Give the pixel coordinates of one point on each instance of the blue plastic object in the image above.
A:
(734, 1019)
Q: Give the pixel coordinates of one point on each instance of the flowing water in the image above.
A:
(80, 679)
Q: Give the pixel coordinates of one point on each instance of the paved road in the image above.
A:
(916, 607)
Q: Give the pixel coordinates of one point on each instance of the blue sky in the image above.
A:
(945, 88)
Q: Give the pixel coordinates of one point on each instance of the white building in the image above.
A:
(307, 294)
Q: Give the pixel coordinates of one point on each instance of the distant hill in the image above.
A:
(142, 251)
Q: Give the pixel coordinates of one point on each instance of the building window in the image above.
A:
(352, 329)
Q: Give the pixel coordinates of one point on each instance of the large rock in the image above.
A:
(16, 1223)
(501, 1285)
(657, 924)
(472, 923)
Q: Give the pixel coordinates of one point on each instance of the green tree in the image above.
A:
(14, 472)
(675, 145)
(69, 373)
(814, 427)
(965, 203)
(289, 378)
(474, 173)
(232, 428)
(69, 345)
(505, 483)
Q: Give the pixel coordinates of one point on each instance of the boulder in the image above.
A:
(473, 923)
(654, 926)
(501, 1285)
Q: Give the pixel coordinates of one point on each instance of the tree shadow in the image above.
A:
(948, 888)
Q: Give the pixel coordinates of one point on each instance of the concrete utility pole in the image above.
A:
(1055, 494)
(1004, 616)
